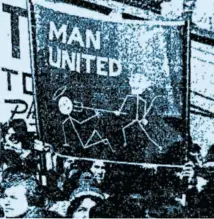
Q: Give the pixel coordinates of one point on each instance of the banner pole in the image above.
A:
(32, 63)
(188, 8)
(187, 79)
(32, 41)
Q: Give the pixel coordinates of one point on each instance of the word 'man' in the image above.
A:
(75, 36)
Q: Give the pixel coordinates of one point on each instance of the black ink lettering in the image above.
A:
(24, 83)
(31, 111)
(17, 109)
(9, 72)
(15, 12)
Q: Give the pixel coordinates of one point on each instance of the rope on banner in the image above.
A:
(143, 165)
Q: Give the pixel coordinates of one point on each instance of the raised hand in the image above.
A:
(41, 146)
(25, 154)
(188, 171)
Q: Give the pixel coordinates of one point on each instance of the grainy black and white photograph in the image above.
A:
(107, 109)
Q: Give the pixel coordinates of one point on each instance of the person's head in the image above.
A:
(83, 207)
(139, 82)
(84, 198)
(65, 105)
(69, 167)
(98, 170)
(15, 201)
(16, 132)
(18, 195)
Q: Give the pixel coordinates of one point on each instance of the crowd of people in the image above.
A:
(95, 189)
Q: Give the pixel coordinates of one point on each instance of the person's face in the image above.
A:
(65, 105)
(139, 83)
(12, 141)
(15, 201)
(11, 136)
(83, 210)
(98, 170)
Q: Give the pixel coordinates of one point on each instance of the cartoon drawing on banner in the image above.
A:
(139, 83)
(66, 106)
(108, 99)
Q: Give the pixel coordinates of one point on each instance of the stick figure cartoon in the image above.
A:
(139, 83)
(66, 107)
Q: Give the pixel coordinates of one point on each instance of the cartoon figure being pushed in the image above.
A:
(66, 107)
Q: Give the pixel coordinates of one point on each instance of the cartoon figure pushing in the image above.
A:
(139, 83)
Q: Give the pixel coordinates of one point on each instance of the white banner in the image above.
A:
(16, 96)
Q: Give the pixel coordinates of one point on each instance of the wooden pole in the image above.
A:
(188, 7)
(187, 78)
